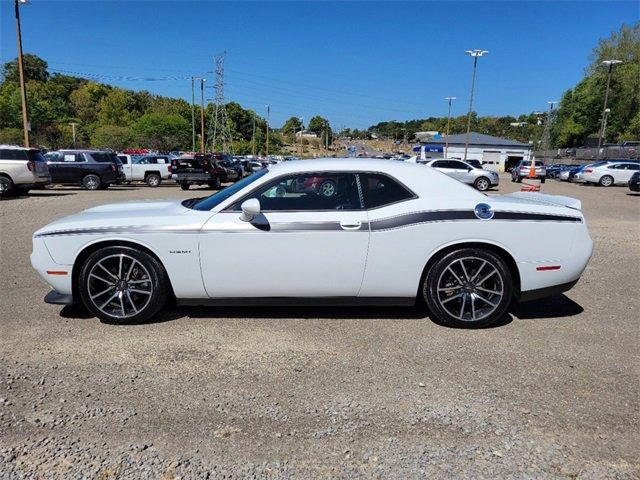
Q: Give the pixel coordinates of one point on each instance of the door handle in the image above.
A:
(351, 225)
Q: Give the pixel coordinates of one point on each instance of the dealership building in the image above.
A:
(494, 153)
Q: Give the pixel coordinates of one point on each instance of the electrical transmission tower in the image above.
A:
(219, 132)
(546, 134)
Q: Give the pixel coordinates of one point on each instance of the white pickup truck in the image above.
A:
(151, 169)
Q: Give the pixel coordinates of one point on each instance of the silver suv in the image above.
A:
(523, 170)
(466, 173)
(22, 169)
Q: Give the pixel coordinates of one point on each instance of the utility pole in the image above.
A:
(23, 89)
(546, 135)
(268, 114)
(193, 115)
(475, 54)
(202, 80)
(446, 139)
(609, 64)
(73, 132)
(253, 136)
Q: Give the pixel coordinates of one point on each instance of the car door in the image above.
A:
(624, 172)
(460, 171)
(310, 243)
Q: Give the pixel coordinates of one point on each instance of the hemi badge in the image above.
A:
(56, 272)
(547, 268)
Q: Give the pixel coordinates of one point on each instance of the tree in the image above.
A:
(163, 132)
(115, 108)
(112, 136)
(35, 68)
(290, 127)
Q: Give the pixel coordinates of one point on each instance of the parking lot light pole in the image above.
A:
(609, 64)
(23, 88)
(446, 139)
(475, 54)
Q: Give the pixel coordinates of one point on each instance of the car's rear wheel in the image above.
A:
(215, 183)
(153, 180)
(123, 285)
(482, 184)
(606, 181)
(469, 287)
(6, 187)
(91, 182)
(184, 186)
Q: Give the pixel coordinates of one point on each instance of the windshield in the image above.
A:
(218, 197)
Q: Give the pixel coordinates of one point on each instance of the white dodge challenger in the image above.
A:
(316, 232)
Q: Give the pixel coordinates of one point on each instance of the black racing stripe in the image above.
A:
(422, 217)
(305, 226)
(536, 217)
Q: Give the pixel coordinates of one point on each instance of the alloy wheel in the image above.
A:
(119, 286)
(470, 289)
(482, 184)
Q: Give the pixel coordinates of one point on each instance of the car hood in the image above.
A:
(145, 214)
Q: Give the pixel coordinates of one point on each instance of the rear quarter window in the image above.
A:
(11, 154)
(380, 190)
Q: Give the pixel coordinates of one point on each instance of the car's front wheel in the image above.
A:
(6, 186)
(482, 184)
(123, 285)
(469, 287)
(184, 186)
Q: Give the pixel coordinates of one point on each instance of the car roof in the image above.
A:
(419, 178)
(16, 147)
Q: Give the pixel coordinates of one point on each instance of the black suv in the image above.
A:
(204, 168)
(92, 169)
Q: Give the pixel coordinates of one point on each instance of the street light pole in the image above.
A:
(475, 54)
(23, 88)
(609, 64)
(446, 139)
(202, 80)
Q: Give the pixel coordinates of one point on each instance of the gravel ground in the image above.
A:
(322, 392)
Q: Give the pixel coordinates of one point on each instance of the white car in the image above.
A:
(609, 173)
(151, 169)
(387, 233)
(466, 173)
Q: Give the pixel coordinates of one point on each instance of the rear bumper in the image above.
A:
(634, 187)
(546, 292)
(193, 177)
(56, 298)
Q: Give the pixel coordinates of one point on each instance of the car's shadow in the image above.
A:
(552, 307)
(35, 194)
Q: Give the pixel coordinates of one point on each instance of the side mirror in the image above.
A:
(250, 208)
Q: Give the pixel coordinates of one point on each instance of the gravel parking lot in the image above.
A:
(322, 392)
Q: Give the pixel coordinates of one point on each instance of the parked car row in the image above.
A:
(604, 173)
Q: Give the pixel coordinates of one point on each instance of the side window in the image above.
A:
(445, 164)
(380, 190)
(634, 166)
(309, 192)
(458, 165)
(123, 159)
(437, 164)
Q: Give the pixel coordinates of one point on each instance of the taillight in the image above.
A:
(114, 167)
(205, 162)
(588, 170)
(31, 165)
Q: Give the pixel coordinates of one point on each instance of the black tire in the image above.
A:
(158, 280)
(214, 184)
(482, 184)
(153, 180)
(6, 187)
(21, 190)
(474, 257)
(104, 186)
(606, 181)
(518, 179)
(91, 182)
(184, 186)
(543, 179)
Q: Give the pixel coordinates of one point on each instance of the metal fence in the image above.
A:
(582, 155)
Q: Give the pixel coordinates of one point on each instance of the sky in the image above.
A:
(355, 63)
